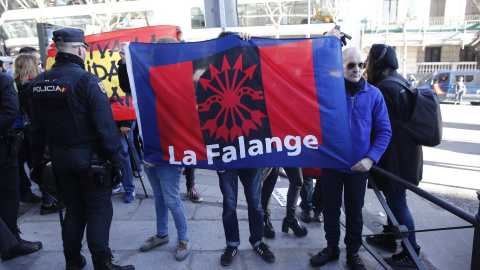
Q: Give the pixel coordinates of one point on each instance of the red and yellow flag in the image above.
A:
(102, 58)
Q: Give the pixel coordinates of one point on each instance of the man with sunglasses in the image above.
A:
(70, 107)
(368, 116)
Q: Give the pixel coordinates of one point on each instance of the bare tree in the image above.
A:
(404, 32)
(24, 4)
(277, 10)
(106, 23)
(334, 6)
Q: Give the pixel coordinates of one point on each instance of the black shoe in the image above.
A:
(45, 210)
(293, 224)
(77, 264)
(384, 241)
(317, 217)
(30, 198)
(229, 253)
(305, 216)
(354, 262)
(403, 260)
(22, 248)
(106, 264)
(268, 230)
(110, 266)
(264, 251)
(328, 254)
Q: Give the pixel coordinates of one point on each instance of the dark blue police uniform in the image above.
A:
(9, 180)
(11, 245)
(70, 106)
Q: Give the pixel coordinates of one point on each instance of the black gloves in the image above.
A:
(117, 173)
(343, 39)
(35, 173)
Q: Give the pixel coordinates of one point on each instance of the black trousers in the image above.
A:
(352, 186)
(190, 177)
(24, 155)
(294, 175)
(7, 238)
(9, 194)
(91, 209)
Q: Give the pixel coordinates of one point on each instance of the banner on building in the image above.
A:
(102, 57)
(227, 103)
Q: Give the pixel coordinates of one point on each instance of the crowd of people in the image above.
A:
(75, 130)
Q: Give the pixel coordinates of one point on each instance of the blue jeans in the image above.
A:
(127, 180)
(398, 204)
(312, 197)
(46, 199)
(252, 183)
(165, 181)
(354, 185)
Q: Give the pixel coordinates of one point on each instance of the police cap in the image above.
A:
(69, 35)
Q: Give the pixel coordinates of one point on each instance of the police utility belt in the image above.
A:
(13, 139)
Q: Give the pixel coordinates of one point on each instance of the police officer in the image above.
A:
(70, 107)
(10, 242)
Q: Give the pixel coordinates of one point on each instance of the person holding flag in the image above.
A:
(165, 182)
(368, 119)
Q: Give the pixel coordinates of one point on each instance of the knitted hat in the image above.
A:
(390, 57)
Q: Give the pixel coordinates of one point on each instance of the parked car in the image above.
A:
(443, 83)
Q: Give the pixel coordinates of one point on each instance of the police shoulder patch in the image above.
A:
(102, 87)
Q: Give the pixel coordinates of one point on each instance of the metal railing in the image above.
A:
(422, 23)
(427, 67)
(401, 232)
(436, 21)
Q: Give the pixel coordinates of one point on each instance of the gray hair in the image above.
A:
(67, 47)
(166, 40)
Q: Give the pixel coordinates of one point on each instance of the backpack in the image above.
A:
(425, 123)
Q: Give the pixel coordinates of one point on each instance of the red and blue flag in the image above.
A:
(228, 103)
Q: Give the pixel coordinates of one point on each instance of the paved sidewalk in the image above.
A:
(134, 223)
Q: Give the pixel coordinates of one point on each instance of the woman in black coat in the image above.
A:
(403, 156)
(25, 70)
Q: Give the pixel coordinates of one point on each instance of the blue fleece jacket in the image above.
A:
(369, 123)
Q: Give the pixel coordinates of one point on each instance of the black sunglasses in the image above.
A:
(352, 65)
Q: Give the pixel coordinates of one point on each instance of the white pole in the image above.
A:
(221, 4)
(308, 20)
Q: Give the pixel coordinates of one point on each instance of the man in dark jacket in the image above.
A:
(9, 178)
(70, 106)
(403, 157)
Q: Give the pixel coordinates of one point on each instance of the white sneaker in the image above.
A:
(154, 242)
(130, 196)
(183, 250)
(116, 189)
